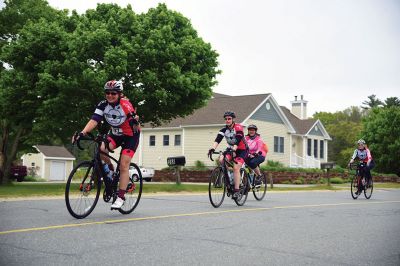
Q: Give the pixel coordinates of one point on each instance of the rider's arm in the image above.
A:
(369, 157)
(89, 126)
(354, 156)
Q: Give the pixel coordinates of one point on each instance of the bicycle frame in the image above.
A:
(99, 140)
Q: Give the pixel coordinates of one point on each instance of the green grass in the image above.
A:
(16, 189)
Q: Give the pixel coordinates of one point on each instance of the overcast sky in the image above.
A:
(334, 52)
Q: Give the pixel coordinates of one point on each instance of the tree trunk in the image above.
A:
(9, 158)
(3, 148)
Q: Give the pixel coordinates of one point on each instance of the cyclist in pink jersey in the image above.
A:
(119, 113)
(257, 151)
(234, 136)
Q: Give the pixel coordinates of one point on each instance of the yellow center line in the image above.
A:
(62, 226)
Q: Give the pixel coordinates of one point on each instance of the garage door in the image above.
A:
(57, 170)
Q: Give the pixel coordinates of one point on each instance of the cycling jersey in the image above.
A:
(119, 116)
(234, 136)
(363, 155)
(256, 145)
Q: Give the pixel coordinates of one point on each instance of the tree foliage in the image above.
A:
(371, 102)
(382, 133)
(58, 63)
(344, 127)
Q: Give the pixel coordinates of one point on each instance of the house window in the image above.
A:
(315, 148)
(152, 140)
(279, 144)
(177, 140)
(33, 164)
(309, 147)
(321, 149)
(166, 140)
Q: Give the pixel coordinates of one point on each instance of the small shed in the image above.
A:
(53, 163)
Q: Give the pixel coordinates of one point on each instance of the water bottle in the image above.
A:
(230, 174)
(251, 176)
(107, 171)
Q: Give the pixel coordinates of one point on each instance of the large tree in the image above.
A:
(382, 134)
(344, 127)
(58, 65)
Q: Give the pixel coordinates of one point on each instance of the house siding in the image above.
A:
(316, 131)
(268, 130)
(156, 156)
(37, 159)
(271, 115)
(197, 142)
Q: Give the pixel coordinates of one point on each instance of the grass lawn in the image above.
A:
(58, 189)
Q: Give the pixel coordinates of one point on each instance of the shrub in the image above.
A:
(337, 180)
(34, 179)
(199, 166)
(298, 181)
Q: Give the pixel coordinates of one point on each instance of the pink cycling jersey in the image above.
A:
(256, 145)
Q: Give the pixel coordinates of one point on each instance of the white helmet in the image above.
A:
(361, 141)
(114, 85)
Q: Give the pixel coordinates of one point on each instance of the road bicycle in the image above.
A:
(359, 183)
(258, 183)
(84, 183)
(221, 181)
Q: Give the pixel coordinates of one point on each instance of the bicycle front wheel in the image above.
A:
(259, 190)
(216, 187)
(244, 188)
(354, 187)
(133, 191)
(82, 190)
(368, 189)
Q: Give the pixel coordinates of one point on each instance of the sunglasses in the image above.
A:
(111, 92)
(228, 118)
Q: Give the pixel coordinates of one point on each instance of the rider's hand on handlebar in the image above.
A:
(210, 151)
(77, 136)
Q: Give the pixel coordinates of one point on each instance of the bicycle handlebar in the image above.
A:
(228, 150)
(89, 136)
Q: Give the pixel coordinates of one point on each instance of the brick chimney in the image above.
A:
(299, 107)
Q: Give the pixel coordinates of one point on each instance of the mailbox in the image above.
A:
(176, 161)
(328, 165)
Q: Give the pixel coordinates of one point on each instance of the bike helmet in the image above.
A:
(229, 113)
(114, 85)
(361, 141)
(252, 126)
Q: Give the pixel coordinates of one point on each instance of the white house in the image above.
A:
(292, 138)
(51, 162)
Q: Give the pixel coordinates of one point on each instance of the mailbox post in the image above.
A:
(177, 162)
(328, 166)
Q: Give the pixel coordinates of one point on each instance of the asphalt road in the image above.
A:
(287, 228)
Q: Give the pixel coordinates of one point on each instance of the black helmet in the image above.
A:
(229, 113)
(252, 126)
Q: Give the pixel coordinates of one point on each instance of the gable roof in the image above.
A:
(54, 151)
(212, 113)
(304, 126)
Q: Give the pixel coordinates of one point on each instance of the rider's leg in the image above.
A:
(105, 158)
(125, 161)
(236, 174)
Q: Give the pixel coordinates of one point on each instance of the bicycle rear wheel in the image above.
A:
(82, 190)
(259, 192)
(368, 189)
(216, 187)
(354, 187)
(133, 191)
(243, 188)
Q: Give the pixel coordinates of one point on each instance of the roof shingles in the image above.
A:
(54, 151)
(212, 113)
